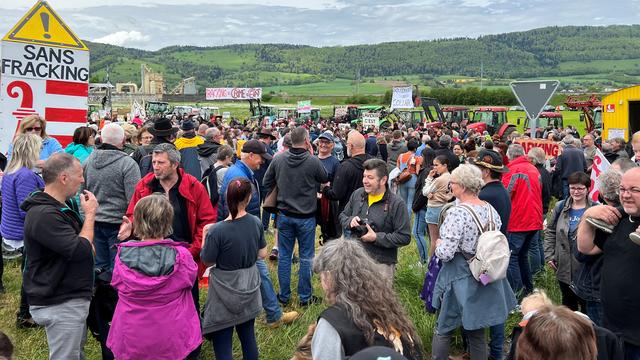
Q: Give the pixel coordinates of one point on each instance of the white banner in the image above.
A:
(370, 119)
(402, 98)
(600, 165)
(233, 93)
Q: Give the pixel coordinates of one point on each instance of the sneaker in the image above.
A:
(312, 300)
(26, 323)
(286, 319)
(274, 254)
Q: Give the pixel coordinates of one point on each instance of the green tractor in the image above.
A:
(156, 108)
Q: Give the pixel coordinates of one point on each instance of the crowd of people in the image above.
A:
(117, 228)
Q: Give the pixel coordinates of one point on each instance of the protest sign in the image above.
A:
(233, 93)
(402, 98)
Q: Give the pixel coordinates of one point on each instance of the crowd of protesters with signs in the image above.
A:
(117, 229)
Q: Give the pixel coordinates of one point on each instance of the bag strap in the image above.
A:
(491, 225)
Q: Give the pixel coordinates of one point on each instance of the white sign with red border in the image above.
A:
(51, 81)
(233, 93)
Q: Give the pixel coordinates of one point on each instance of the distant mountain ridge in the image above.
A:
(549, 51)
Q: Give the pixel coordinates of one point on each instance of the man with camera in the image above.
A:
(377, 217)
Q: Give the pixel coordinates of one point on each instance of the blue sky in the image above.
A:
(153, 24)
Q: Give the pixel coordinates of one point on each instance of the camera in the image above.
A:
(361, 229)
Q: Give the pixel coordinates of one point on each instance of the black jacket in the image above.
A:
(547, 183)
(348, 178)
(59, 263)
(388, 217)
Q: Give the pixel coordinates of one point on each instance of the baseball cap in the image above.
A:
(326, 135)
(489, 159)
(256, 147)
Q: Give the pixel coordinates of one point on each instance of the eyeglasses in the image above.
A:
(631, 191)
(30, 129)
(577, 189)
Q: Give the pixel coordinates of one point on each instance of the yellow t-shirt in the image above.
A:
(375, 198)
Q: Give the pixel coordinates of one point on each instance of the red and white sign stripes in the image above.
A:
(600, 165)
(70, 111)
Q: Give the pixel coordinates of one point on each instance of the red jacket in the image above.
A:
(199, 209)
(525, 188)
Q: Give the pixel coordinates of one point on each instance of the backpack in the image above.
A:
(210, 182)
(145, 164)
(491, 260)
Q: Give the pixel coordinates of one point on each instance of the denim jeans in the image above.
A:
(518, 273)
(104, 239)
(419, 233)
(222, 341)
(496, 342)
(407, 191)
(536, 254)
(66, 327)
(476, 342)
(594, 311)
(290, 229)
(268, 294)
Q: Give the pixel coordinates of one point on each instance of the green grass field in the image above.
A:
(272, 343)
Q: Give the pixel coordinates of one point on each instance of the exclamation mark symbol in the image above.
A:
(45, 24)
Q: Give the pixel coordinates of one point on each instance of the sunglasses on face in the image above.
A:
(30, 129)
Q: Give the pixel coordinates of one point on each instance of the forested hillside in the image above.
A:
(612, 52)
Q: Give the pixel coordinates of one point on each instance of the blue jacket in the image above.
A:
(50, 146)
(239, 170)
(79, 151)
(16, 187)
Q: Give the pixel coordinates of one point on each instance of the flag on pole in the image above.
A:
(600, 165)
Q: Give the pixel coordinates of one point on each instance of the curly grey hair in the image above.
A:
(469, 177)
(609, 185)
(514, 151)
(353, 279)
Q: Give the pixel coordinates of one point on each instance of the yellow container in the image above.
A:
(621, 113)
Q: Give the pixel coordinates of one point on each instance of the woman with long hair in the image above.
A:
(84, 140)
(363, 309)
(34, 124)
(233, 301)
(436, 189)
(18, 182)
(154, 278)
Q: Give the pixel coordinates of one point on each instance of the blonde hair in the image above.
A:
(25, 153)
(152, 217)
(32, 120)
(536, 300)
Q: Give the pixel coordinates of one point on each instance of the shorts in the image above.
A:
(433, 213)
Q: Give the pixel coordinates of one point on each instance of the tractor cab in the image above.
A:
(210, 112)
(456, 114)
(492, 119)
(156, 108)
(547, 120)
(285, 113)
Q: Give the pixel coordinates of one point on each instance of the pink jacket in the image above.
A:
(155, 317)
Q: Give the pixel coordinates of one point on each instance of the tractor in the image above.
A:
(591, 111)
(456, 114)
(492, 119)
(547, 120)
(156, 108)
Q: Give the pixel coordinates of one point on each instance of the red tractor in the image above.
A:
(546, 121)
(492, 119)
(456, 114)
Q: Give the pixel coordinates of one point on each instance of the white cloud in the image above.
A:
(124, 38)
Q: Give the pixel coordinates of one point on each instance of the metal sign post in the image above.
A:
(533, 96)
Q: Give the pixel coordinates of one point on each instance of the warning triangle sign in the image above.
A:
(42, 26)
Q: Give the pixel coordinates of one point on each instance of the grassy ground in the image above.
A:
(272, 343)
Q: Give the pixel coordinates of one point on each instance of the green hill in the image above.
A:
(576, 54)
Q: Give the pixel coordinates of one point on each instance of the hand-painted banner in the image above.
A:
(233, 93)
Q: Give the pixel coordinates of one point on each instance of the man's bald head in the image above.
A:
(355, 143)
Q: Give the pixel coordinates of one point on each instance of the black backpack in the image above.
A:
(210, 182)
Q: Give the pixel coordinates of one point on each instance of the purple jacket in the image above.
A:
(16, 187)
(155, 317)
